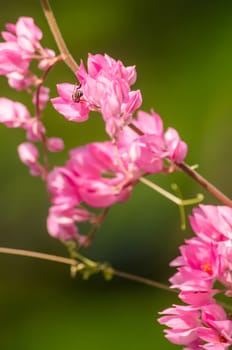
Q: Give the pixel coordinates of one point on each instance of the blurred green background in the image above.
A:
(183, 53)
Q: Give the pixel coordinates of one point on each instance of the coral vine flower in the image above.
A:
(98, 174)
(29, 155)
(203, 328)
(205, 260)
(101, 174)
(106, 89)
(64, 104)
(25, 33)
(61, 222)
(13, 114)
(22, 43)
(155, 144)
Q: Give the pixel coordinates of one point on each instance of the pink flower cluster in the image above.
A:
(105, 88)
(204, 270)
(21, 46)
(98, 174)
(101, 174)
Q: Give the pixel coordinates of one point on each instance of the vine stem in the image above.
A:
(206, 184)
(66, 55)
(72, 262)
(170, 196)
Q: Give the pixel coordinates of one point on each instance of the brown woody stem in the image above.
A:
(73, 262)
(206, 184)
(66, 55)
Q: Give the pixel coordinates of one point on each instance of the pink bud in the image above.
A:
(13, 114)
(177, 149)
(55, 144)
(35, 129)
(28, 153)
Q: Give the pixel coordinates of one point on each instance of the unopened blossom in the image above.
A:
(55, 144)
(35, 129)
(177, 149)
(13, 114)
(105, 88)
(28, 154)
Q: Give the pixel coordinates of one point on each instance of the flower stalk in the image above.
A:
(83, 264)
(66, 55)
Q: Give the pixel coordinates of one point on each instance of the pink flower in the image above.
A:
(35, 129)
(29, 155)
(106, 85)
(200, 258)
(184, 322)
(13, 114)
(55, 144)
(11, 60)
(25, 33)
(21, 46)
(21, 80)
(177, 149)
(204, 261)
(150, 145)
(21, 40)
(61, 222)
(217, 331)
(62, 185)
(64, 104)
(105, 88)
(99, 174)
(104, 173)
(198, 328)
(212, 223)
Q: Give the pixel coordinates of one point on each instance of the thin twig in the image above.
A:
(37, 255)
(67, 57)
(170, 196)
(206, 184)
(142, 280)
(73, 262)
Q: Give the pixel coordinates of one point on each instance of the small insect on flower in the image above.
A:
(77, 93)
